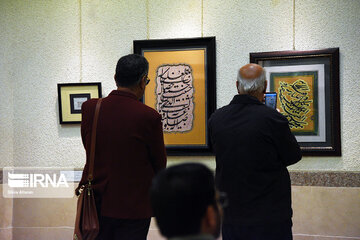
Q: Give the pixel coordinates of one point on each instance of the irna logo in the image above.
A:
(34, 180)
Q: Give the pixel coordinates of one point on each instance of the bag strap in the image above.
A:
(93, 141)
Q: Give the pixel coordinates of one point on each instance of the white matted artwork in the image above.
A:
(319, 69)
(307, 86)
(175, 95)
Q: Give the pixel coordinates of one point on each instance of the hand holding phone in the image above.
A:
(270, 99)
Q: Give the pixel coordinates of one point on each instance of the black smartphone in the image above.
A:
(270, 99)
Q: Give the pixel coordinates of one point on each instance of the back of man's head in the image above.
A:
(180, 196)
(130, 69)
(251, 79)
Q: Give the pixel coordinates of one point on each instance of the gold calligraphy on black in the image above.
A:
(295, 102)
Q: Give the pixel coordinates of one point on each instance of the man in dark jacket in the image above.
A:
(253, 146)
(129, 152)
(186, 204)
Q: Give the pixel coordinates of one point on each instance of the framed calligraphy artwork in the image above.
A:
(182, 89)
(307, 83)
(71, 96)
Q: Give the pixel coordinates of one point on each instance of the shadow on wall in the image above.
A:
(66, 130)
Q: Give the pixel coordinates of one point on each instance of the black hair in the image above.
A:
(180, 196)
(130, 69)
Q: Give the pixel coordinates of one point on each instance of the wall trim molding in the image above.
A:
(325, 178)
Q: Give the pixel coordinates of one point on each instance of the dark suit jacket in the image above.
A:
(253, 146)
(129, 152)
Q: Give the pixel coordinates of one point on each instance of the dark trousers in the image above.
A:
(274, 231)
(123, 229)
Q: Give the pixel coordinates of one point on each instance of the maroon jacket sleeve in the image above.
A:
(156, 145)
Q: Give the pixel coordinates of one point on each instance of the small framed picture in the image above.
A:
(72, 96)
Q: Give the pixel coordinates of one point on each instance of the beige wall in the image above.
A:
(48, 42)
(326, 213)
(319, 213)
(43, 43)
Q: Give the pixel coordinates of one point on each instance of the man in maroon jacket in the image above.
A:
(129, 152)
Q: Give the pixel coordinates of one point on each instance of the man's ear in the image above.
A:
(209, 220)
(142, 82)
(265, 86)
(115, 81)
(237, 86)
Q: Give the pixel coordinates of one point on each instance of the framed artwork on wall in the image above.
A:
(182, 89)
(307, 85)
(71, 96)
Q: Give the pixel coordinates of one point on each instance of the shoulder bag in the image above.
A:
(87, 222)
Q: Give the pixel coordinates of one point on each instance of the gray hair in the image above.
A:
(248, 86)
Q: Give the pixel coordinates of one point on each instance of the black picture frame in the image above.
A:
(72, 94)
(323, 64)
(76, 101)
(208, 68)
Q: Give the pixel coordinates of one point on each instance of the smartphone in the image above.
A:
(270, 99)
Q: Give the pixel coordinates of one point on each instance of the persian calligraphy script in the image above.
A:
(294, 100)
(174, 91)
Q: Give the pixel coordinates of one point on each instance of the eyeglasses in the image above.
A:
(223, 199)
(147, 80)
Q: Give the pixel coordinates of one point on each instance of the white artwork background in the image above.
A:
(174, 97)
(319, 68)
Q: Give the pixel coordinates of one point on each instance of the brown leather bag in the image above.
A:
(87, 222)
